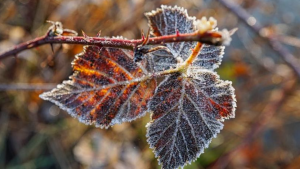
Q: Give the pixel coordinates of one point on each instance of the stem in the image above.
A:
(209, 37)
(183, 68)
(194, 55)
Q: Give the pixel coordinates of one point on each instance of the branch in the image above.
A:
(208, 37)
(271, 40)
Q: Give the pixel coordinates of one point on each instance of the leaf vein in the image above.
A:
(117, 64)
(196, 107)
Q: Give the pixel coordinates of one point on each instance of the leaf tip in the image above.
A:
(44, 96)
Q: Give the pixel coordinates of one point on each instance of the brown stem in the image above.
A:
(212, 38)
(271, 40)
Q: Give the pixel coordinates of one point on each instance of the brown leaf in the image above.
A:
(106, 88)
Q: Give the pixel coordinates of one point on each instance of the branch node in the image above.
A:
(55, 29)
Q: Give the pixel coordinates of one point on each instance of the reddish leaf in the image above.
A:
(106, 87)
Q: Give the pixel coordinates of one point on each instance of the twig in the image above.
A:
(209, 37)
(277, 99)
(271, 40)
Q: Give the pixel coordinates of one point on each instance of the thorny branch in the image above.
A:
(271, 39)
(54, 36)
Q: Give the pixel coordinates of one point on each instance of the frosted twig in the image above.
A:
(208, 37)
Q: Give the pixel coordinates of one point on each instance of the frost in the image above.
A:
(210, 57)
(106, 87)
(167, 20)
(226, 37)
(186, 116)
(187, 108)
(162, 60)
(112, 85)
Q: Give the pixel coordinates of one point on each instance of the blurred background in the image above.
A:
(37, 134)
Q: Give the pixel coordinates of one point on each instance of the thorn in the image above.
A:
(83, 33)
(232, 31)
(99, 33)
(142, 35)
(51, 44)
(147, 38)
(85, 36)
(177, 32)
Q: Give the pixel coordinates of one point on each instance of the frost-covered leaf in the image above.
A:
(167, 20)
(189, 105)
(210, 57)
(162, 60)
(106, 87)
(187, 114)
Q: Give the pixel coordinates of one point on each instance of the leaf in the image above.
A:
(210, 57)
(106, 88)
(168, 20)
(187, 114)
(162, 60)
(187, 107)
